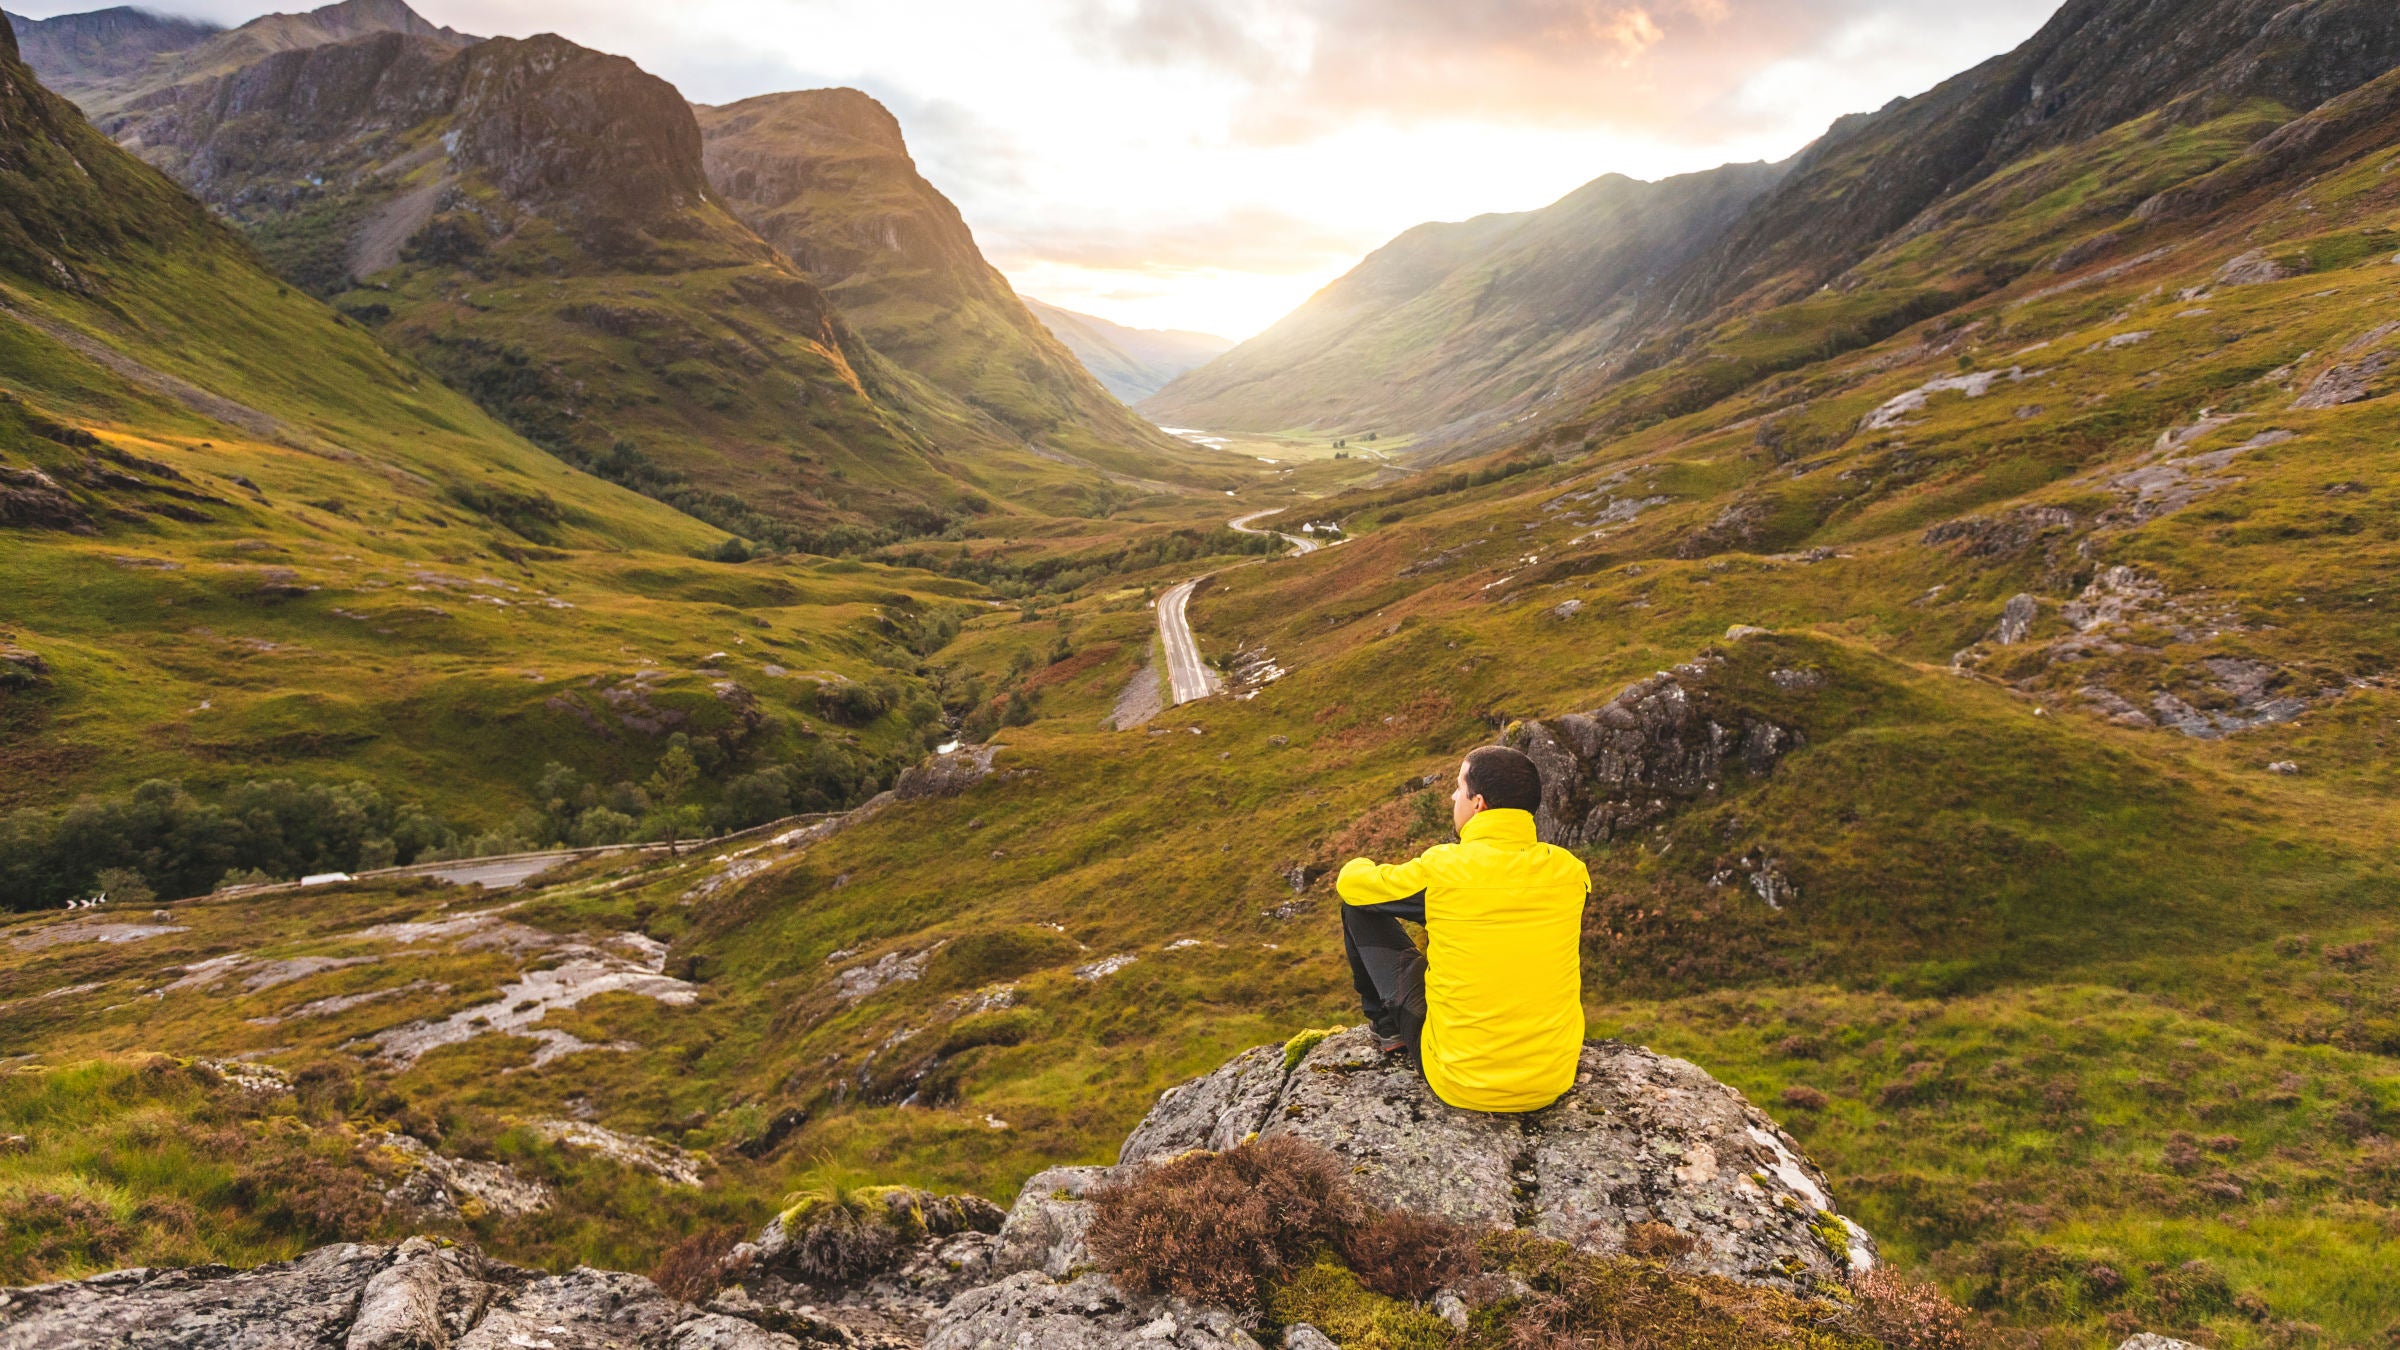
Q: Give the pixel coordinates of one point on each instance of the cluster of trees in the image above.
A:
(573, 812)
(180, 845)
(160, 839)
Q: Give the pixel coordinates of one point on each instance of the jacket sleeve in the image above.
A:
(1364, 881)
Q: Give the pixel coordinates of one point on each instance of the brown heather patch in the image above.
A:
(1223, 1227)
(694, 1268)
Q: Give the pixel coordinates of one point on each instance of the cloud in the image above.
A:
(1677, 67)
(1252, 239)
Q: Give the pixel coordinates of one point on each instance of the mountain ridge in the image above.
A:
(1131, 363)
(98, 45)
(1865, 185)
(1452, 331)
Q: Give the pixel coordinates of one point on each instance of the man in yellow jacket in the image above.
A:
(1493, 1008)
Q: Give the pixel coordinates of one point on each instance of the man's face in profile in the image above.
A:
(1463, 803)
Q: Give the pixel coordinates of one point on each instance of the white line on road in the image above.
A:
(1188, 677)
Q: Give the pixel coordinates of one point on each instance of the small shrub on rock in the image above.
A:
(1223, 1227)
(1658, 1241)
(1401, 1254)
(694, 1268)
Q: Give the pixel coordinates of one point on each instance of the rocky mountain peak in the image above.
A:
(356, 18)
(554, 123)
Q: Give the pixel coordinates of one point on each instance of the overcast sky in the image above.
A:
(1208, 164)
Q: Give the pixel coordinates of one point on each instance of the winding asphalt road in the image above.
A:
(1300, 543)
(1188, 677)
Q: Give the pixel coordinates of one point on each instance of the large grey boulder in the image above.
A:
(1645, 1150)
(1215, 1112)
(1641, 1139)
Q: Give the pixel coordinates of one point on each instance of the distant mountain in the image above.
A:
(1452, 330)
(1471, 336)
(81, 49)
(825, 175)
(135, 55)
(1132, 363)
(530, 219)
(421, 177)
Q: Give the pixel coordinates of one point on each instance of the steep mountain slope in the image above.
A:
(2096, 64)
(1873, 181)
(424, 165)
(532, 221)
(1451, 333)
(1131, 363)
(240, 540)
(82, 50)
(133, 60)
(825, 176)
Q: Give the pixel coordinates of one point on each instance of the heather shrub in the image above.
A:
(1576, 1300)
(694, 1268)
(1908, 1314)
(1223, 1227)
(44, 1233)
(1400, 1254)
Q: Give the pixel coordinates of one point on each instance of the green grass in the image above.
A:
(2063, 994)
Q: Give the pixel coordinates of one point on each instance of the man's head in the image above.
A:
(1495, 778)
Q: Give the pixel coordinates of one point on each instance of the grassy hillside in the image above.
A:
(1460, 334)
(2060, 532)
(246, 542)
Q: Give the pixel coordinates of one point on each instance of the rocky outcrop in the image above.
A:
(1664, 742)
(946, 775)
(1646, 1152)
(1642, 1142)
(416, 1294)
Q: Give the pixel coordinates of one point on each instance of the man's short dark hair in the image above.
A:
(1504, 778)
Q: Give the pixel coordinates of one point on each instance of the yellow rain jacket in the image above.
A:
(1504, 962)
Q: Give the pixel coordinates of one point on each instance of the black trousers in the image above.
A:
(1387, 968)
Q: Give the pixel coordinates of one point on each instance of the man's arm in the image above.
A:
(1364, 881)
